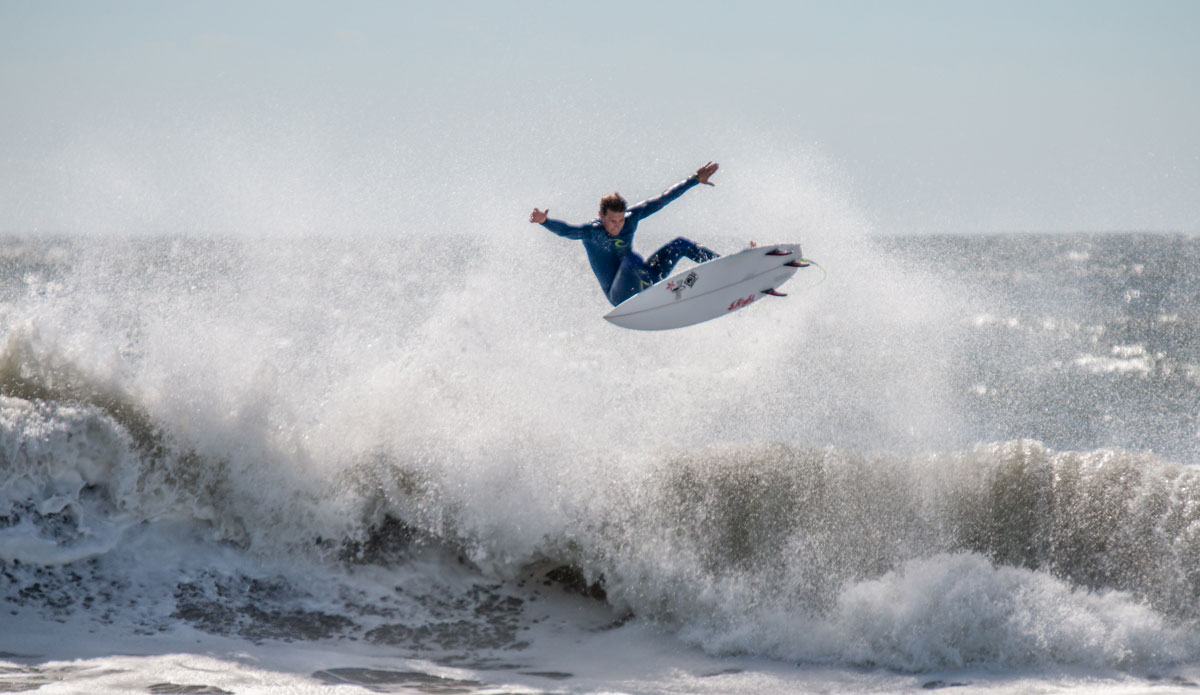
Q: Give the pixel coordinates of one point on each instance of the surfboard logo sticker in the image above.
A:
(744, 301)
(678, 287)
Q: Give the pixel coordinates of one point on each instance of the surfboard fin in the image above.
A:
(797, 264)
(774, 293)
(778, 252)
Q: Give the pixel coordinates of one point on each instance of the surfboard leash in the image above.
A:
(824, 274)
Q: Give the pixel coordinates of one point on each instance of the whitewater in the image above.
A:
(421, 462)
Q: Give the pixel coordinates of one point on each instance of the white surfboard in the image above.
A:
(716, 288)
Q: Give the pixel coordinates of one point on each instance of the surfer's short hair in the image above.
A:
(614, 202)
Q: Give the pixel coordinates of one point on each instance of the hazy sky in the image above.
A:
(935, 116)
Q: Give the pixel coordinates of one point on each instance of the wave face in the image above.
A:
(956, 451)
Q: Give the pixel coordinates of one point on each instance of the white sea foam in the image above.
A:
(252, 415)
(1124, 359)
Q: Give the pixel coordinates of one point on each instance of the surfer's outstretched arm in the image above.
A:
(653, 205)
(569, 231)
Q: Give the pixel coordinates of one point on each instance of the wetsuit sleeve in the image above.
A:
(653, 205)
(569, 231)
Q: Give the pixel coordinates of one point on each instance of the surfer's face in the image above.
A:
(613, 221)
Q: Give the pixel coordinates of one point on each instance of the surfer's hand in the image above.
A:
(538, 216)
(706, 171)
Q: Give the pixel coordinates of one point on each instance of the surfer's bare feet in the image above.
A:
(753, 244)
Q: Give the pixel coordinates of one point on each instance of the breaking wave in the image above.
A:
(273, 453)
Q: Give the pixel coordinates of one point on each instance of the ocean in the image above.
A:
(423, 463)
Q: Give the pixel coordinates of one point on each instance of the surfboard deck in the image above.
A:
(710, 290)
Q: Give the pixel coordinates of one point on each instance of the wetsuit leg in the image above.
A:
(632, 277)
(664, 259)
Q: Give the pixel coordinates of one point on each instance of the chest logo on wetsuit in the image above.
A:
(679, 287)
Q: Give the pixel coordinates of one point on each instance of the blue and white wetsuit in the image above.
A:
(621, 272)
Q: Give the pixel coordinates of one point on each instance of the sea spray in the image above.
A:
(294, 432)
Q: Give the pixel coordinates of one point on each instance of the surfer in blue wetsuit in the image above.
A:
(608, 240)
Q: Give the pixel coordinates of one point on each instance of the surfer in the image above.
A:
(608, 240)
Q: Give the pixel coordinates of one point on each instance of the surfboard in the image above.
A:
(709, 290)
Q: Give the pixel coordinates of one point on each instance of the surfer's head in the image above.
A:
(612, 213)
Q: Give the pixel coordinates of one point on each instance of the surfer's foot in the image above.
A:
(753, 244)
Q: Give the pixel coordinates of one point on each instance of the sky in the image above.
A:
(928, 116)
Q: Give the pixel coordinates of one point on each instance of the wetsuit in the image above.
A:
(621, 272)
